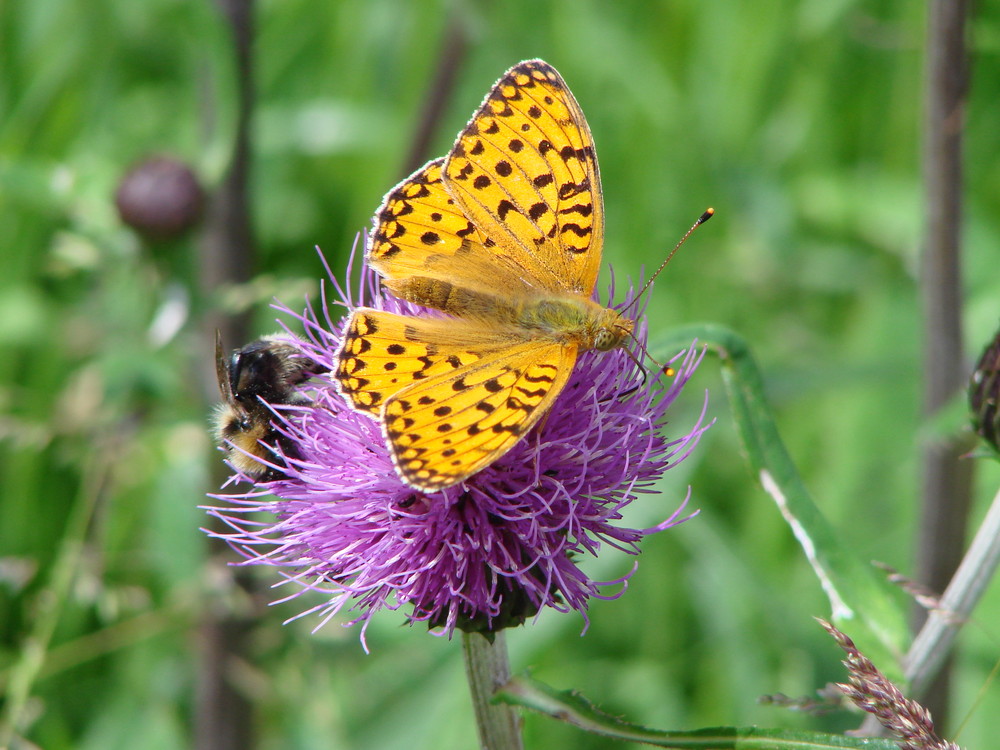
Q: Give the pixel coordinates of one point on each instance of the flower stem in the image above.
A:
(933, 642)
(487, 668)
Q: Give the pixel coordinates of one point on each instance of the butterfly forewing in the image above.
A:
(420, 231)
(525, 172)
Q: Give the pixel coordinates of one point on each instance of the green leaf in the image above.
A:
(574, 709)
(861, 600)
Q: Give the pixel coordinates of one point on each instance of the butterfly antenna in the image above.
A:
(709, 213)
(662, 369)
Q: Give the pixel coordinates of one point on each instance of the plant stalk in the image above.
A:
(487, 668)
(946, 478)
(933, 643)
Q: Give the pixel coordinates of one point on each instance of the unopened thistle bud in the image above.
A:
(984, 394)
(160, 198)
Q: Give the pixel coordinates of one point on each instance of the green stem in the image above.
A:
(934, 641)
(487, 668)
(33, 651)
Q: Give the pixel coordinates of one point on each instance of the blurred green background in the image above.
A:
(798, 121)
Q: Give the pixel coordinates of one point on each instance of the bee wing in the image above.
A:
(222, 369)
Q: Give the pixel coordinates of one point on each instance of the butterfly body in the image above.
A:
(568, 318)
(577, 321)
(504, 237)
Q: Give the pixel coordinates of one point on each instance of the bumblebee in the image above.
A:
(265, 372)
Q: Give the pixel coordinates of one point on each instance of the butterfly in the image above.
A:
(504, 236)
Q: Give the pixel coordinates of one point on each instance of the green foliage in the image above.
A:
(572, 708)
(798, 121)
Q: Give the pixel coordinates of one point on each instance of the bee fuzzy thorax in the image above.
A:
(254, 380)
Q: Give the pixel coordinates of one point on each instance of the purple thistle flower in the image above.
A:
(482, 555)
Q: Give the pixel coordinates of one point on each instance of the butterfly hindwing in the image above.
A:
(452, 397)
(444, 429)
(382, 353)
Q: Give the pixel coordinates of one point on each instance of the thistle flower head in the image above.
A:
(482, 555)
